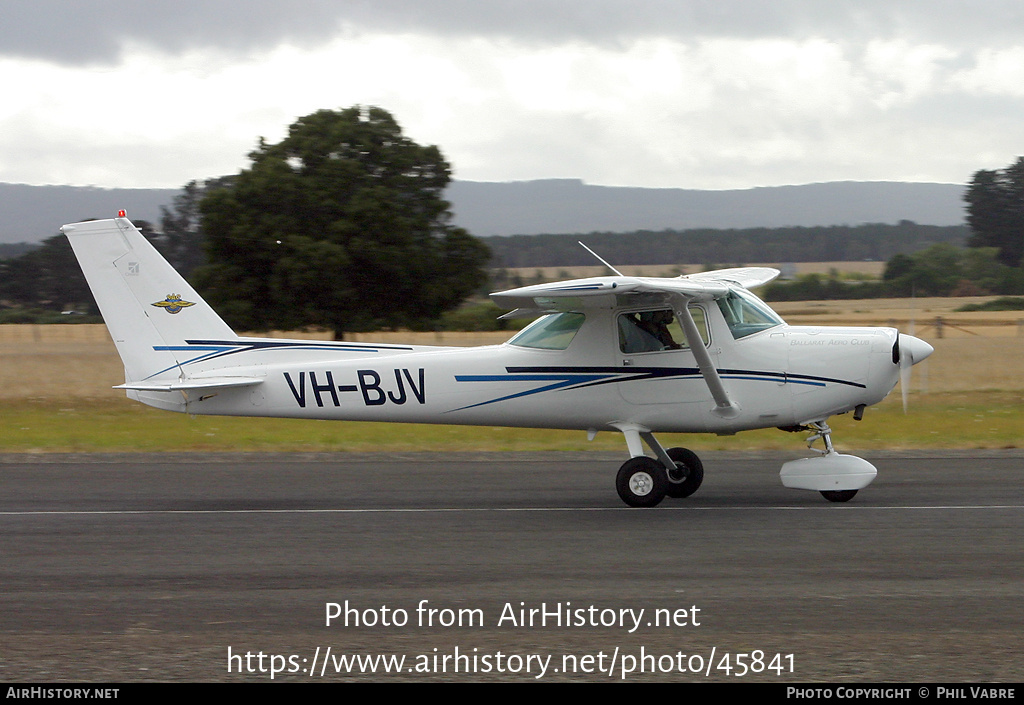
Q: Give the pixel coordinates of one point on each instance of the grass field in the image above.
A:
(946, 420)
(55, 395)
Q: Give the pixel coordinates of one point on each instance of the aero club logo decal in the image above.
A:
(173, 303)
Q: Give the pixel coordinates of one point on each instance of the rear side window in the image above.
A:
(552, 332)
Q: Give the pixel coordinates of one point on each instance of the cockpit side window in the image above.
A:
(746, 314)
(657, 330)
(552, 332)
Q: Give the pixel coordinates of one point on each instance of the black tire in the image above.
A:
(688, 475)
(838, 495)
(641, 482)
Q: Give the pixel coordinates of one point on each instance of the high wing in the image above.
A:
(605, 292)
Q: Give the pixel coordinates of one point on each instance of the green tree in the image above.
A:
(180, 239)
(936, 270)
(945, 270)
(995, 211)
(899, 266)
(341, 224)
(49, 277)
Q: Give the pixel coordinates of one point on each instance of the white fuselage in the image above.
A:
(783, 376)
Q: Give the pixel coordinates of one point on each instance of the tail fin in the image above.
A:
(150, 310)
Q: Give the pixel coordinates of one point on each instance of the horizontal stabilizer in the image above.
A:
(184, 385)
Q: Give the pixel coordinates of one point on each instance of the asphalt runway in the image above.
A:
(513, 567)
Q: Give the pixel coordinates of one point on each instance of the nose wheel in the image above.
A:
(838, 495)
(836, 476)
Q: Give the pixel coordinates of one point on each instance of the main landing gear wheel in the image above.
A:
(838, 495)
(687, 476)
(641, 482)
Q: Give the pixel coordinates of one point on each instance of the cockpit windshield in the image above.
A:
(746, 314)
(552, 332)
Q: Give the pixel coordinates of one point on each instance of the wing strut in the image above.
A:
(725, 407)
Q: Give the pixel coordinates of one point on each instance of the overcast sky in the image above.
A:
(668, 93)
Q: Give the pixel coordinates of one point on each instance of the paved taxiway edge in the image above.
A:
(473, 456)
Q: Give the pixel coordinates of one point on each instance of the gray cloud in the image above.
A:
(73, 32)
(522, 88)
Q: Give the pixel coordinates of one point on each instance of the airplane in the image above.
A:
(697, 353)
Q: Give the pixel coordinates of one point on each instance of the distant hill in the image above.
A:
(33, 213)
(875, 242)
(571, 206)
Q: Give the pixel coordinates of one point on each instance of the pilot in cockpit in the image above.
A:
(656, 323)
(646, 332)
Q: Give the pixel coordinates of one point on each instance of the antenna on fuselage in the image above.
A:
(600, 259)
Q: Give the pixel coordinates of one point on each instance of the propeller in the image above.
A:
(908, 352)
